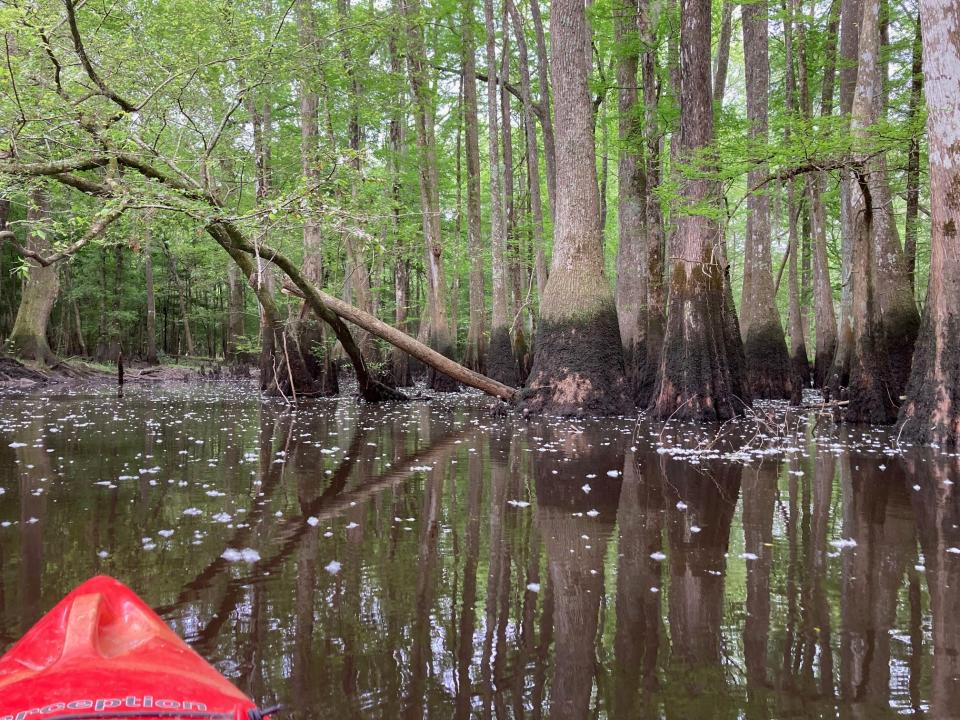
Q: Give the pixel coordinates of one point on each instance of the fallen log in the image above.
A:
(404, 342)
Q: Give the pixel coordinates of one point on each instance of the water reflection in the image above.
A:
(429, 560)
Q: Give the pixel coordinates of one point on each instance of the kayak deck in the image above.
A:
(101, 652)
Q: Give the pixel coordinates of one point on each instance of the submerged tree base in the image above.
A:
(871, 400)
(438, 380)
(501, 363)
(900, 329)
(703, 376)
(931, 413)
(578, 368)
(768, 366)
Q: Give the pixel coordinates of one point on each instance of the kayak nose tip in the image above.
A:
(100, 626)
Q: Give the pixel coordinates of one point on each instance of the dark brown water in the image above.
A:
(429, 560)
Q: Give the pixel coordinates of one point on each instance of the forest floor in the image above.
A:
(16, 374)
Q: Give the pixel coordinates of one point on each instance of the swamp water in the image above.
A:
(430, 560)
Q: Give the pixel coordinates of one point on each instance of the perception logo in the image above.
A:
(104, 705)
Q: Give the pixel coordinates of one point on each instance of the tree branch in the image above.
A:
(95, 231)
(123, 103)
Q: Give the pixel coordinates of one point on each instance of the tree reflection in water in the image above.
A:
(427, 560)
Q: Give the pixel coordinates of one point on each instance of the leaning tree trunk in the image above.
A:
(723, 54)
(932, 411)
(699, 373)
(768, 366)
(28, 339)
(578, 366)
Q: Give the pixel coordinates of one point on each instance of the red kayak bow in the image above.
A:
(103, 653)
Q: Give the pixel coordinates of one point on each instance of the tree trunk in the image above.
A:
(235, 313)
(533, 150)
(723, 54)
(899, 320)
(799, 362)
(310, 332)
(500, 364)
(850, 14)
(871, 391)
(400, 370)
(182, 300)
(442, 337)
(514, 254)
(913, 162)
(647, 356)
(578, 366)
(826, 318)
(476, 350)
(546, 115)
(28, 338)
(768, 366)
(932, 411)
(631, 286)
(151, 355)
(700, 375)
(439, 363)
(283, 370)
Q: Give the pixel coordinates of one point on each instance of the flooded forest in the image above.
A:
(514, 359)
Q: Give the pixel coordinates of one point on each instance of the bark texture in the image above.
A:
(899, 319)
(441, 334)
(501, 364)
(931, 413)
(850, 14)
(28, 338)
(151, 330)
(578, 366)
(824, 313)
(701, 377)
(476, 349)
(646, 358)
(873, 388)
(765, 349)
(631, 286)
